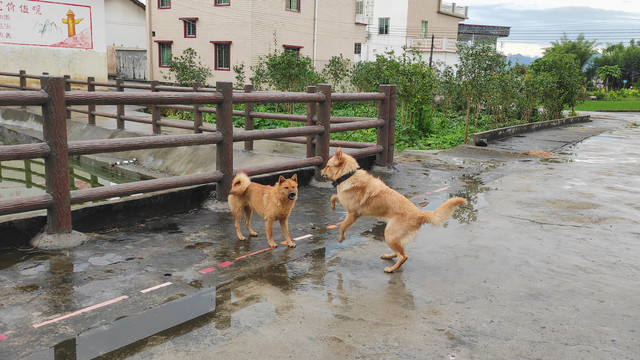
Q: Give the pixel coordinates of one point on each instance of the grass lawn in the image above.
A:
(624, 104)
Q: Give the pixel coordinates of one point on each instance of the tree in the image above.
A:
(337, 70)
(627, 58)
(581, 49)
(477, 66)
(187, 69)
(285, 71)
(606, 72)
(559, 81)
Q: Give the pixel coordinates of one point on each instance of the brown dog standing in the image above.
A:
(363, 195)
(271, 202)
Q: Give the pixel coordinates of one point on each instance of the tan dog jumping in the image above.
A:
(363, 195)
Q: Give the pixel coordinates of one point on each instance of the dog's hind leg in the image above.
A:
(247, 220)
(237, 214)
(388, 256)
(394, 235)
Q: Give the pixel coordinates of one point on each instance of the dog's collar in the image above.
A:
(343, 178)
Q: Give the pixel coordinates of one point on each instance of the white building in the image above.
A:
(430, 26)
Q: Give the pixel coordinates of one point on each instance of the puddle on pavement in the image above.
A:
(183, 314)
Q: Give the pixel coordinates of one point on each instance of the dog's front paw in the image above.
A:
(389, 269)
(273, 245)
(253, 234)
(242, 238)
(291, 245)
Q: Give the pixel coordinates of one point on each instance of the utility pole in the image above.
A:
(433, 36)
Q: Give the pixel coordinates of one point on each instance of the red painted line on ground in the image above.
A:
(415, 197)
(155, 287)
(441, 189)
(3, 337)
(81, 311)
(254, 253)
(207, 270)
(225, 264)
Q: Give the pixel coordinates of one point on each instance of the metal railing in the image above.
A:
(56, 100)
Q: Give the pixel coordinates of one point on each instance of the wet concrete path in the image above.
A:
(542, 263)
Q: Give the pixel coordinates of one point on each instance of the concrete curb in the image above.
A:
(484, 137)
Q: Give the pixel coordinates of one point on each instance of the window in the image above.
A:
(293, 5)
(359, 7)
(358, 49)
(164, 51)
(383, 26)
(222, 3)
(293, 48)
(164, 4)
(189, 27)
(222, 54)
(423, 29)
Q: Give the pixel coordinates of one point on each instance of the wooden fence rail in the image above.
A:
(56, 99)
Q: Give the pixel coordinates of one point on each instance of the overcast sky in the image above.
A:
(536, 23)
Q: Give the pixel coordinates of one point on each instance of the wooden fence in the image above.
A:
(57, 101)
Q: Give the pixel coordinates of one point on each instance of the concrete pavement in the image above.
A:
(541, 264)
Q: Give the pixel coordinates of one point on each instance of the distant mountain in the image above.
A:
(521, 59)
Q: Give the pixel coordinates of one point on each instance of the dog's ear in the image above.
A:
(295, 178)
(281, 179)
(338, 154)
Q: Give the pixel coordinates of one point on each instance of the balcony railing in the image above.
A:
(453, 9)
(439, 44)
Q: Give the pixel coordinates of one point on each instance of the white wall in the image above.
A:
(126, 24)
(38, 41)
(396, 10)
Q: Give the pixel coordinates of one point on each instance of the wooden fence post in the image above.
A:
(120, 108)
(155, 111)
(197, 114)
(383, 131)
(391, 142)
(311, 120)
(67, 87)
(248, 119)
(91, 87)
(54, 130)
(23, 84)
(23, 79)
(224, 149)
(324, 119)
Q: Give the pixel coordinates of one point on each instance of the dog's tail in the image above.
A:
(240, 184)
(440, 215)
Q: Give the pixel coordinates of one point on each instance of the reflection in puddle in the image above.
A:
(473, 187)
(224, 307)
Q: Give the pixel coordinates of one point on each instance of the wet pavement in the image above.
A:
(541, 264)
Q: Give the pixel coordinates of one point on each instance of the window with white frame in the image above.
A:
(164, 4)
(359, 7)
(222, 2)
(383, 26)
(358, 49)
(189, 27)
(293, 5)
